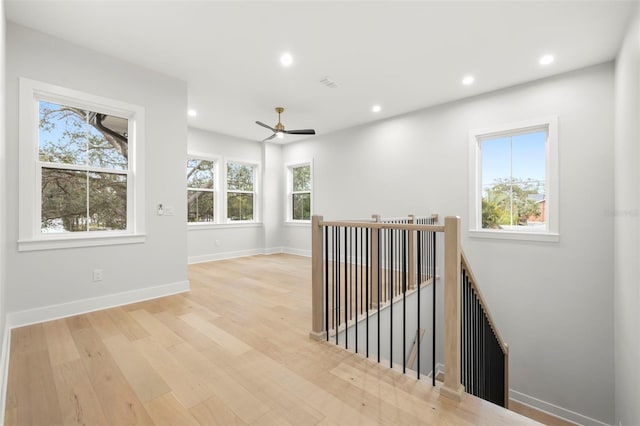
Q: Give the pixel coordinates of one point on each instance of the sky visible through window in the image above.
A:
(521, 157)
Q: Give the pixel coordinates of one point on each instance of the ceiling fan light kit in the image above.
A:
(278, 130)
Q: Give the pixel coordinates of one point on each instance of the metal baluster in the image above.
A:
(326, 281)
(346, 293)
(419, 257)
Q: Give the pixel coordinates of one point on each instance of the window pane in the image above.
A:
(513, 182)
(64, 201)
(301, 206)
(239, 177)
(239, 206)
(108, 141)
(199, 206)
(69, 135)
(62, 134)
(107, 202)
(199, 173)
(302, 178)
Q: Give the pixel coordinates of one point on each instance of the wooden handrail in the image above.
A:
(383, 225)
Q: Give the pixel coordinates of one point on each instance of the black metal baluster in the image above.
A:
(326, 281)
(419, 258)
(355, 255)
(379, 288)
(391, 301)
(404, 301)
(433, 332)
(366, 288)
(346, 293)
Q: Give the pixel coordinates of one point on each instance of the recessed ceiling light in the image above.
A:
(546, 60)
(376, 108)
(192, 113)
(468, 80)
(286, 59)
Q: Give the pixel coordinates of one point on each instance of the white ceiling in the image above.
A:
(402, 55)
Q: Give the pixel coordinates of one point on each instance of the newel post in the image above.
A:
(317, 291)
(452, 387)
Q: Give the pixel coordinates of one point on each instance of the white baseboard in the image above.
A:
(223, 256)
(273, 250)
(63, 310)
(547, 407)
(296, 251)
(4, 370)
(243, 253)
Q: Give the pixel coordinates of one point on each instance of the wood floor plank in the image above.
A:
(37, 388)
(62, 348)
(233, 351)
(130, 328)
(146, 383)
(221, 337)
(167, 410)
(78, 401)
(102, 324)
(189, 388)
(118, 400)
(214, 412)
(229, 390)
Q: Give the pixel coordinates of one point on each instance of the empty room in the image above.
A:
(319, 212)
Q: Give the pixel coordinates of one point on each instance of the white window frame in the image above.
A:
(216, 179)
(289, 203)
(552, 234)
(30, 236)
(256, 192)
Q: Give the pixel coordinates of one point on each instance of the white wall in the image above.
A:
(627, 228)
(39, 279)
(552, 301)
(212, 242)
(4, 361)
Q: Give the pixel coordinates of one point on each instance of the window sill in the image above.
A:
(298, 223)
(74, 241)
(230, 225)
(550, 237)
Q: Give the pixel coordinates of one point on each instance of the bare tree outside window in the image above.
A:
(83, 163)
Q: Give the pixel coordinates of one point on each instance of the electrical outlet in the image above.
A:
(217, 243)
(169, 210)
(97, 275)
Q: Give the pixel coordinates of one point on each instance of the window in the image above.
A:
(514, 181)
(241, 194)
(300, 185)
(201, 193)
(79, 183)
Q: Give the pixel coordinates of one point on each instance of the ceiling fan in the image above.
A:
(279, 131)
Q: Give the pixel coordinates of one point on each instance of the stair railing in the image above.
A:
(362, 268)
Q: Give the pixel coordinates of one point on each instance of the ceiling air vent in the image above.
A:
(329, 83)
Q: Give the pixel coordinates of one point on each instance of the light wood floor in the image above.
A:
(235, 350)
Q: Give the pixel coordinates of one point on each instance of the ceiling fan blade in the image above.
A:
(301, 132)
(269, 138)
(259, 123)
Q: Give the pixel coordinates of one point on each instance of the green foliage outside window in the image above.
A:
(83, 162)
(200, 195)
(510, 202)
(240, 193)
(301, 196)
